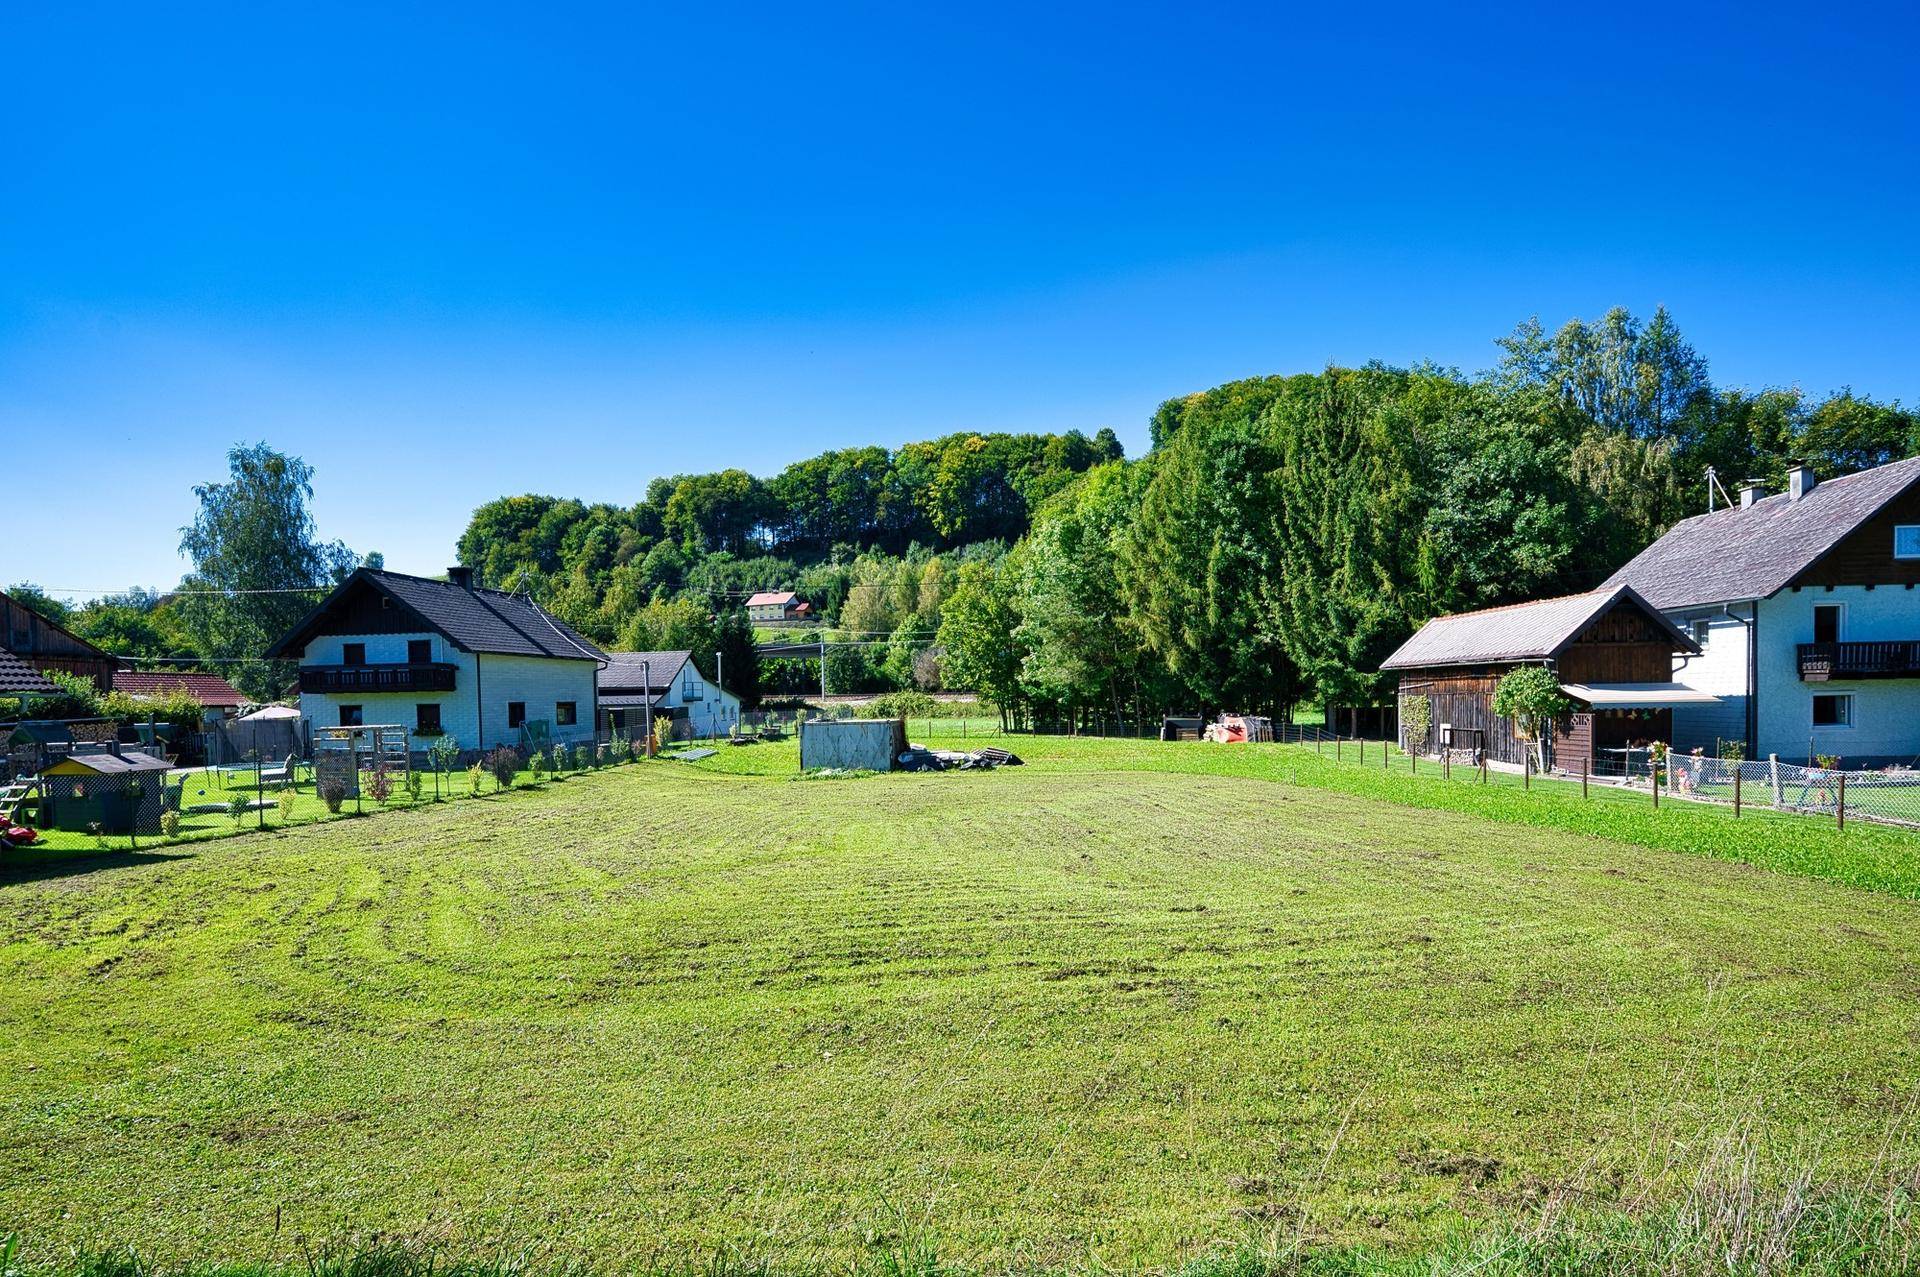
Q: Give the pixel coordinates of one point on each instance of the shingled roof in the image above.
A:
(210, 690)
(624, 671)
(18, 678)
(1520, 632)
(471, 618)
(1737, 554)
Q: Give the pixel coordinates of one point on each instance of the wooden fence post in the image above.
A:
(1446, 763)
(1736, 791)
(1526, 770)
(1583, 777)
(1656, 786)
(1483, 767)
(1336, 745)
(1386, 755)
(1413, 762)
(1840, 806)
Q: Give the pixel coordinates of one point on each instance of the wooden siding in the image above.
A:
(366, 610)
(1865, 556)
(1464, 699)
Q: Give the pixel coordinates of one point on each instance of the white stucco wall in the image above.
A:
(1721, 670)
(475, 712)
(1886, 712)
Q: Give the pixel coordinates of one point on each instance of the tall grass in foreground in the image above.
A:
(1728, 1221)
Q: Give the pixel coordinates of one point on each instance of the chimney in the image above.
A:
(1749, 491)
(1799, 480)
(462, 577)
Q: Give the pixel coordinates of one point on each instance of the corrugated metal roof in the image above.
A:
(1734, 554)
(1519, 632)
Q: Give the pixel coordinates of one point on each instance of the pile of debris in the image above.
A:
(918, 758)
(1240, 728)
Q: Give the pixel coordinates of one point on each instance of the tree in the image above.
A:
(258, 565)
(1637, 379)
(1192, 562)
(739, 659)
(977, 640)
(34, 599)
(1530, 696)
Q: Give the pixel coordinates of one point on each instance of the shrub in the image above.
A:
(504, 764)
(1530, 695)
(540, 764)
(237, 808)
(1416, 721)
(380, 785)
(169, 824)
(414, 784)
(475, 774)
(333, 793)
(99, 832)
(903, 705)
(285, 805)
(444, 753)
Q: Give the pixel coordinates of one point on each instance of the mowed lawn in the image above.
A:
(1067, 1014)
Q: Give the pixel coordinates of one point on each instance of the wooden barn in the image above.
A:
(1614, 654)
(44, 646)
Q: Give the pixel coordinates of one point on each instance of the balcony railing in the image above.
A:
(428, 677)
(1820, 662)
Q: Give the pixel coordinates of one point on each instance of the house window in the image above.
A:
(1906, 541)
(1833, 711)
(516, 714)
(690, 689)
(1826, 622)
(419, 651)
(565, 713)
(349, 716)
(426, 719)
(353, 653)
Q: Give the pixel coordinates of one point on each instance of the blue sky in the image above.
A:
(454, 252)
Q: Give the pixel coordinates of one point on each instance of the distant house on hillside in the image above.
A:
(672, 685)
(1612, 650)
(46, 646)
(1805, 609)
(777, 605)
(443, 658)
(213, 692)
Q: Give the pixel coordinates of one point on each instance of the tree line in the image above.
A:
(1282, 535)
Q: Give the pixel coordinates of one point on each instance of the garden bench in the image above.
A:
(284, 774)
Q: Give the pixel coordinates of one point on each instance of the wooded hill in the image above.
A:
(1283, 535)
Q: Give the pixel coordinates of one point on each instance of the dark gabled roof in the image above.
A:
(1735, 554)
(624, 670)
(472, 619)
(17, 678)
(1534, 631)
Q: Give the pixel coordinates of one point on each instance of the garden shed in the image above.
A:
(856, 744)
(1613, 653)
(82, 790)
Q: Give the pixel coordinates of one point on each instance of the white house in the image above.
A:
(443, 658)
(777, 605)
(672, 684)
(1805, 608)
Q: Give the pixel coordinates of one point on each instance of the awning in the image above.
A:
(1637, 695)
(269, 713)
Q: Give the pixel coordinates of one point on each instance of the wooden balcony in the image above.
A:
(354, 679)
(1820, 662)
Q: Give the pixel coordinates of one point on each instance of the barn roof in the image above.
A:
(471, 618)
(1737, 554)
(1534, 631)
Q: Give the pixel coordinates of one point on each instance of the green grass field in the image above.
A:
(1120, 1007)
